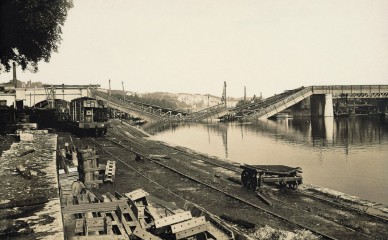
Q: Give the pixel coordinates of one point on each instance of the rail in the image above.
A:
(163, 114)
(255, 206)
(350, 89)
(207, 112)
(282, 103)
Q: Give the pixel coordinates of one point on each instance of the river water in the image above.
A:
(349, 155)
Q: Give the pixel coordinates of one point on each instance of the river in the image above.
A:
(349, 155)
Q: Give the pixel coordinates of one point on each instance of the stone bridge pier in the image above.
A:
(322, 105)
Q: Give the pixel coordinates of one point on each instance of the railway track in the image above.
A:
(218, 189)
(238, 171)
(336, 203)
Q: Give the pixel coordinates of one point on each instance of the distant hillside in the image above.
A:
(184, 100)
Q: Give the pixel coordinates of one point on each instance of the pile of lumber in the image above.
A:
(136, 215)
(90, 167)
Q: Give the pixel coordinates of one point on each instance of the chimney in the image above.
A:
(14, 74)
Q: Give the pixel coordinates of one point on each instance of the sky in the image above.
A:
(193, 46)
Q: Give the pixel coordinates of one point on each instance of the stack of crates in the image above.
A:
(90, 167)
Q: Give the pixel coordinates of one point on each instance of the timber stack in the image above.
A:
(136, 215)
(133, 215)
(90, 167)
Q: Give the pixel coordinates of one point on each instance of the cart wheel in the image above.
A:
(245, 176)
(253, 183)
(293, 185)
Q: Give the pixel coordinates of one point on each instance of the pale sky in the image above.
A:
(193, 46)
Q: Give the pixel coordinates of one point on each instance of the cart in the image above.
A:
(253, 176)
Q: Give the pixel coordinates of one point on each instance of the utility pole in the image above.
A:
(52, 96)
(15, 81)
(223, 99)
(122, 83)
(34, 94)
(110, 93)
(245, 94)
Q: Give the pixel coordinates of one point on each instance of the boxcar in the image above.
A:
(88, 116)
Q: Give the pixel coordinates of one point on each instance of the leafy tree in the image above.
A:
(30, 30)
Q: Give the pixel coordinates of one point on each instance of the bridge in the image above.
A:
(47, 95)
(151, 112)
(321, 100)
(32, 96)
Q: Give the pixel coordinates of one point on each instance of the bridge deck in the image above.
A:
(158, 113)
(268, 107)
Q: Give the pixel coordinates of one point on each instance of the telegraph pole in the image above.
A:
(122, 83)
(223, 99)
(110, 93)
(245, 94)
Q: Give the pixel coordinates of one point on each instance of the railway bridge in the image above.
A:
(321, 100)
(47, 94)
(151, 112)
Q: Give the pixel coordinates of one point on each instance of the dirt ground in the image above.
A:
(5, 142)
(329, 216)
(29, 204)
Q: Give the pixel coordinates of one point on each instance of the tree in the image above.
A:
(30, 30)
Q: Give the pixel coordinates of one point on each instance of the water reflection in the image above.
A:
(311, 132)
(333, 152)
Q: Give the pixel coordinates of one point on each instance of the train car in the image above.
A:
(88, 116)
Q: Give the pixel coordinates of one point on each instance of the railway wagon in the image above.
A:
(253, 176)
(88, 116)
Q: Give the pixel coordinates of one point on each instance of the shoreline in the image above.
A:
(310, 205)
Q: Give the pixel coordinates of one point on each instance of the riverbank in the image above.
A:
(182, 175)
(335, 153)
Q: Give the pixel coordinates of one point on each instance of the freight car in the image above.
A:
(88, 116)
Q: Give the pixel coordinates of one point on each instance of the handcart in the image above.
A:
(253, 176)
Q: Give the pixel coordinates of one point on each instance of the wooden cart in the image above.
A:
(253, 176)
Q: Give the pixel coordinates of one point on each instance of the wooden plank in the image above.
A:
(95, 224)
(136, 195)
(139, 232)
(192, 231)
(92, 207)
(99, 237)
(127, 218)
(154, 213)
(194, 222)
(92, 169)
(79, 225)
(170, 220)
(112, 198)
(119, 226)
(264, 199)
(217, 234)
